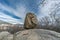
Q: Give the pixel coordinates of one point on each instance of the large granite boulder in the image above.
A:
(37, 34)
(30, 21)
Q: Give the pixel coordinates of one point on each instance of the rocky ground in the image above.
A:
(31, 34)
(6, 36)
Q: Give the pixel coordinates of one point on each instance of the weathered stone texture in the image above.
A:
(30, 21)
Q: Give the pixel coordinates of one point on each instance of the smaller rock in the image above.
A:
(6, 36)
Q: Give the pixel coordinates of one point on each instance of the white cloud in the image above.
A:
(20, 10)
(48, 6)
(9, 18)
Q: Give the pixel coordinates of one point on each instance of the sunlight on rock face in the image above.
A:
(37, 34)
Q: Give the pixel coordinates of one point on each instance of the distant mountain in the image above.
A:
(3, 22)
(18, 25)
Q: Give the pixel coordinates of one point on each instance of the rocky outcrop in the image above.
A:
(37, 34)
(30, 21)
(31, 34)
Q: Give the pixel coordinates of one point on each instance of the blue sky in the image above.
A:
(14, 11)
